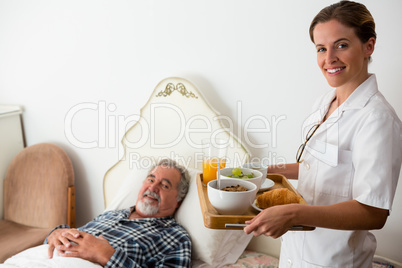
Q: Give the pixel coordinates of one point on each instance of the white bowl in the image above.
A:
(257, 180)
(257, 166)
(231, 203)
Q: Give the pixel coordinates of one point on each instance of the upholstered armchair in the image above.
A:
(38, 196)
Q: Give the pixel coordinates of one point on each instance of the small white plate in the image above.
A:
(266, 185)
(254, 205)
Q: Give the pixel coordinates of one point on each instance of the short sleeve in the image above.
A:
(377, 160)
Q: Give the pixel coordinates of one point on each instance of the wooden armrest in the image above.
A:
(71, 207)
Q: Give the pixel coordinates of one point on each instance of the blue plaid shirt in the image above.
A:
(147, 242)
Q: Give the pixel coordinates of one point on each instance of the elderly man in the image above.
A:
(145, 235)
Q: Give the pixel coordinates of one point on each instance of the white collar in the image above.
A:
(362, 94)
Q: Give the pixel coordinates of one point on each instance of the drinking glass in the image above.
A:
(214, 151)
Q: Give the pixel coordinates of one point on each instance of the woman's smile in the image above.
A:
(335, 70)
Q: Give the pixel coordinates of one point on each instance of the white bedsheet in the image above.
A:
(37, 257)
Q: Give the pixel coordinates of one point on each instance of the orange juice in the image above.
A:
(209, 169)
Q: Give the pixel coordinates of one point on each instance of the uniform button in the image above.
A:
(290, 262)
(307, 166)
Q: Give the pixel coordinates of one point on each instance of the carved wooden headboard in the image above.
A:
(172, 124)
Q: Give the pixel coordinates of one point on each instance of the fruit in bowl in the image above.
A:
(231, 202)
(246, 174)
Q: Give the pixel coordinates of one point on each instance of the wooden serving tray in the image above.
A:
(214, 220)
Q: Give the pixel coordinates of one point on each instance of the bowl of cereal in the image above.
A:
(234, 196)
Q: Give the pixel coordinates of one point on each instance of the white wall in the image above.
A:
(247, 57)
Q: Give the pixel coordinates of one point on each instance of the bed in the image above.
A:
(172, 124)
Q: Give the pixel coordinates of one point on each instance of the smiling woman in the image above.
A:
(348, 167)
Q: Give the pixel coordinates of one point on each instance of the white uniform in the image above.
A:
(355, 154)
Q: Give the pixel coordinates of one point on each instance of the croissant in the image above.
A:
(276, 197)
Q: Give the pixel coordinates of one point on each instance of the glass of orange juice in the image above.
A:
(214, 155)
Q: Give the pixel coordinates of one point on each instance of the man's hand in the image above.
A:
(57, 238)
(87, 247)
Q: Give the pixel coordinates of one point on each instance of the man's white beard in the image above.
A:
(147, 207)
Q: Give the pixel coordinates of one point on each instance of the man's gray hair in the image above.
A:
(184, 183)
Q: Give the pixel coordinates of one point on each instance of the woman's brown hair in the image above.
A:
(351, 14)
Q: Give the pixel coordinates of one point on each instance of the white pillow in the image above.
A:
(128, 191)
(211, 248)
